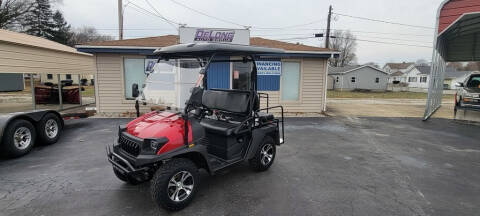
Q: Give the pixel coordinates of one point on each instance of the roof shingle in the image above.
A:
(168, 40)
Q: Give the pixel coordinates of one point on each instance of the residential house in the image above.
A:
(358, 77)
(418, 76)
(397, 71)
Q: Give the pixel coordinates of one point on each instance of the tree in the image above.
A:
(345, 42)
(39, 21)
(457, 65)
(473, 66)
(88, 34)
(12, 13)
(421, 62)
(62, 30)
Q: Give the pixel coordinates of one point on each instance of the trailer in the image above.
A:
(50, 73)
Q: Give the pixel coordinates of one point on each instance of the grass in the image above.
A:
(380, 95)
(89, 91)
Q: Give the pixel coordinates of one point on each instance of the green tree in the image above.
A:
(39, 21)
(61, 30)
(12, 13)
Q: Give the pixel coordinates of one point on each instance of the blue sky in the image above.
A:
(266, 16)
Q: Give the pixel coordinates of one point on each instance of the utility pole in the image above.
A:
(327, 40)
(120, 20)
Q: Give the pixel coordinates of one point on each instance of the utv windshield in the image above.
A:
(169, 82)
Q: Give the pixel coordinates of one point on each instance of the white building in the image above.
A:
(397, 71)
(454, 77)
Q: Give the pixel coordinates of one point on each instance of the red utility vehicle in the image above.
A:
(215, 129)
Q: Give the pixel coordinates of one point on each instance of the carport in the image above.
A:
(457, 39)
(54, 72)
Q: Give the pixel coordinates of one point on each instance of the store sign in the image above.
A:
(214, 35)
(269, 68)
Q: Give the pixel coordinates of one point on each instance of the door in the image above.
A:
(241, 73)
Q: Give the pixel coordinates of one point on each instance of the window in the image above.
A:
(354, 79)
(68, 76)
(49, 76)
(337, 80)
(423, 79)
(377, 80)
(290, 81)
(241, 75)
(134, 72)
(412, 79)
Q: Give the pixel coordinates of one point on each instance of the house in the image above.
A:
(418, 76)
(454, 77)
(391, 68)
(50, 78)
(359, 77)
(397, 71)
(302, 72)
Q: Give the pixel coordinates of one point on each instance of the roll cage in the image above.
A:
(205, 53)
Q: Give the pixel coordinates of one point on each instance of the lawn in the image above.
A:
(89, 91)
(380, 95)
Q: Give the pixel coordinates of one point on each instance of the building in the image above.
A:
(122, 62)
(454, 77)
(33, 56)
(49, 78)
(418, 76)
(391, 68)
(358, 77)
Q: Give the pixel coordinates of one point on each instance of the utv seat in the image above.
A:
(231, 102)
(265, 117)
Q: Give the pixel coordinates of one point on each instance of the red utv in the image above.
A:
(214, 129)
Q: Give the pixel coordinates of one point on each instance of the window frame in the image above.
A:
(300, 86)
(353, 79)
(68, 75)
(49, 76)
(377, 79)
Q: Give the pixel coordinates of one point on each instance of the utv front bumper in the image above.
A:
(127, 166)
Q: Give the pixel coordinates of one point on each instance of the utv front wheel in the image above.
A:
(264, 156)
(175, 184)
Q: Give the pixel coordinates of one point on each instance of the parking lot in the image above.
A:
(328, 166)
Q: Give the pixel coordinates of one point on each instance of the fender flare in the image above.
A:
(257, 138)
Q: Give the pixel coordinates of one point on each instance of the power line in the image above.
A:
(384, 21)
(207, 15)
(384, 42)
(145, 11)
(159, 14)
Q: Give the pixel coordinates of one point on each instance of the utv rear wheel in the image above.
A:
(125, 178)
(18, 138)
(264, 156)
(174, 184)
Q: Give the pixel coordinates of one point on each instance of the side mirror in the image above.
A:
(135, 91)
(459, 84)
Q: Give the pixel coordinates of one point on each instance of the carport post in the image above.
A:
(60, 99)
(34, 104)
(79, 90)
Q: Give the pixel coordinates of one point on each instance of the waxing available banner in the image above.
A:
(269, 68)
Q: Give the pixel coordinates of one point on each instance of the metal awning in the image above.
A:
(457, 39)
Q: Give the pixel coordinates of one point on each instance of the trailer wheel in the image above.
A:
(49, 129)
(18, 138)
(264, 156)
(174, 184)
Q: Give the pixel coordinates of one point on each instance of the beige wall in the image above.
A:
(16, 58)
(110, 86)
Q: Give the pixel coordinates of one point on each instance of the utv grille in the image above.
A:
(128, 145)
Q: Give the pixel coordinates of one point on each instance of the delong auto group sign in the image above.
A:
(214, 35)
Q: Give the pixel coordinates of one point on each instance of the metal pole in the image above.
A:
(79, 90)
(327, 40)
(34, 104)
(120, 20)
(60, 99)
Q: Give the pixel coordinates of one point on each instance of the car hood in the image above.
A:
(472, 90)
(156, 124)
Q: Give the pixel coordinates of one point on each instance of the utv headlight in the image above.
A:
(155, 143)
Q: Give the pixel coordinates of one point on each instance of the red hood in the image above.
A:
(157, 124)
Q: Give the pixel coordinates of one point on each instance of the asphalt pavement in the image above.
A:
(328, 166)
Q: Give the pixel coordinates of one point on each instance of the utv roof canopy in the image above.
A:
(208, 49)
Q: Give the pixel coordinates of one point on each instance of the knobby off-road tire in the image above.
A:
(126, 179)
(264, 156)
(49, 129)
(165, 184)
(18, 138)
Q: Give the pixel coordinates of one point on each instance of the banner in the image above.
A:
(269, 68)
